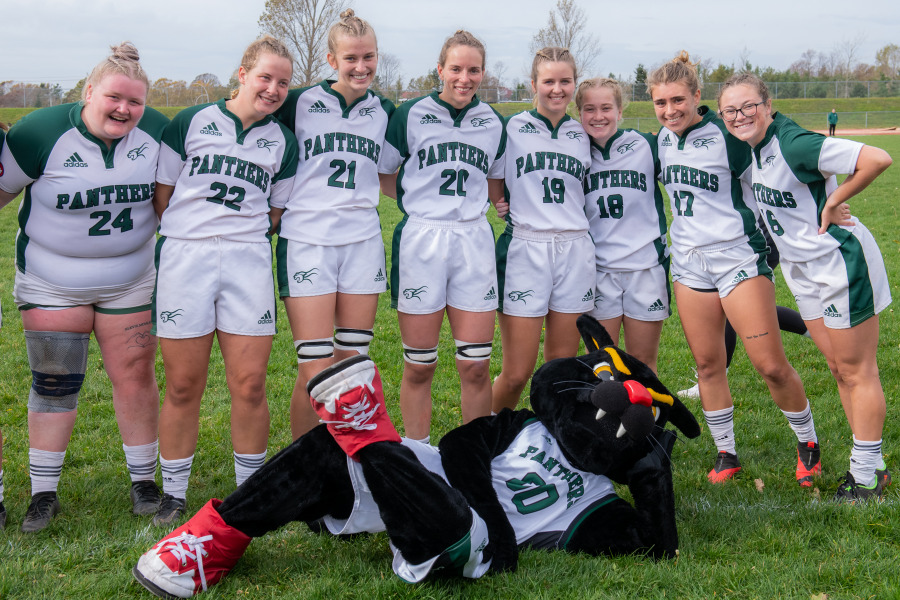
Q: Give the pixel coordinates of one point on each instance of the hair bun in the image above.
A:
(348, 14)
(125, 51)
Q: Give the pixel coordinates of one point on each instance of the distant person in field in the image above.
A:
(832, 265)
(84, 263)
(220, 166)
(331, 264)
(832, 121)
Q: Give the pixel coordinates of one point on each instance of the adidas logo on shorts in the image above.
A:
(656, 306)
(379, 276)
(589, 297)
(318, 107)
(75, 161)
(666, 141)
(211, 129)
(741, 276)
(429, 118)
(266, 318)
(832, 311)
(491, 295)
(528, 128)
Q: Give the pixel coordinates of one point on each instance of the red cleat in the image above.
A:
(727, 466)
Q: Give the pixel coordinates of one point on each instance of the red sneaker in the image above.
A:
(727, 465)
(193, 557)
(809, 464)
(348, 397)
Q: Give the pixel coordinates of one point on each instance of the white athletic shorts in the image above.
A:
(443, 263)
(721, 266)
(545, 271)
(29, 291)
(641, 295)
(846, 286)
(213, 283)
(311, 270)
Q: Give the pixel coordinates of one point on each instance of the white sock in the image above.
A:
(246, 465)
(141, 461)
(802, 424)
(45, 468)
(721, 426)
(175, 475)
(1, 485)
(864, 459)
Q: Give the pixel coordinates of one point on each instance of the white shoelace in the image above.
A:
(189, 546)
(357, 416)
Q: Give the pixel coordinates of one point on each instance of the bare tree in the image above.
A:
(303, 25)
(887, 60)
(388, 72)
(567, 27)
(498, 71)
(848, 51)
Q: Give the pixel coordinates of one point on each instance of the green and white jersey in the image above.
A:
(624, 204)
(445, 156)
(702, 172)
(336, 189)
(87, 217)
(224, 175)
(545, 169)
(793, 175)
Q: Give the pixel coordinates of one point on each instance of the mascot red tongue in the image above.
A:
(540, 478)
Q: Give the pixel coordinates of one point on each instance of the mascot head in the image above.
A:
(604, 406)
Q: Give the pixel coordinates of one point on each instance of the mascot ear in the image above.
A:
(593, 333)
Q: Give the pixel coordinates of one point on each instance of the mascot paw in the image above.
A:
(628, 401)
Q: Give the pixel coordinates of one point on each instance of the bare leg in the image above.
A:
(520, 340)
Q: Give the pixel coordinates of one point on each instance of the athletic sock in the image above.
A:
(141, 461)
(175, 475)
(246, 465)
(864, 459)
(721, 426)
(802, 424)
(45, 468)
(1, 485)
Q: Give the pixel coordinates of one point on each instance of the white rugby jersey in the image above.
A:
(702, 173)
(445, 156)
(544, 173)
(793, 175)
(83, 200)
(336, 189)
(624, 204)
(223, 174)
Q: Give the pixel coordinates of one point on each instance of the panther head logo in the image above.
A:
(169, 315)
(267, 144)
(138, 152)
(626, 147)
(410, 293)
(770, 160)
(479, 122)
(704, 142)
(367, 111)
(301, 276)
(574, 135)
(519, 295)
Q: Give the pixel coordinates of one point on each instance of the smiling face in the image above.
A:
(675, 105)
(600, 114)
(355, 60)
(461, 73)
(749, 129)
(553, 89)
(263, 88)
(113, 107)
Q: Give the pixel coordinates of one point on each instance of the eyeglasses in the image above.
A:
(748, 110)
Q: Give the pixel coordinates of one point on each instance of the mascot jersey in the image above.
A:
(545, 169)
(336, 190)
(701, 172)
(86, 220)
(224, 174)
(793, 175)
(445, 155)
(624, 203)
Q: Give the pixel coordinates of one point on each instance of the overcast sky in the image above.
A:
(60, 40)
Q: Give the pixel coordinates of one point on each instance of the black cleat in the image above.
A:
(145, 497)
(170, 509)
(43, 507)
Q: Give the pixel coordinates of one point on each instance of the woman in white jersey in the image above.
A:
(719, 267)
(84, 261)
(219, 166)
(446, 145)
(832, 265)
(545, 257)
(628, 222)
(331, 265)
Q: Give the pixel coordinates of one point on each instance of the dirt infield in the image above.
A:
(881, 131)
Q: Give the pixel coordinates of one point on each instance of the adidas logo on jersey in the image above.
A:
(528, 128)
(318, 107)
(666, 141)
(656, 306)
(589, 297)
(211, 129)
(741, 276)
(832, 311)
(491, 295)
(266, 318)
(429, 118)
(75, 161)
(379, 276)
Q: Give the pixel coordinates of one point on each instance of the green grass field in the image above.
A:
(736, 541)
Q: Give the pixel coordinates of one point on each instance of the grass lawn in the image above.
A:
(738, 540)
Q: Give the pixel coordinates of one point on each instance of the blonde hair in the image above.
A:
(124, 60)
(678, 70)
(748, 79)
(552, 54)
(263, 45)
(461, 38)
(596, 83)
(351, 26)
